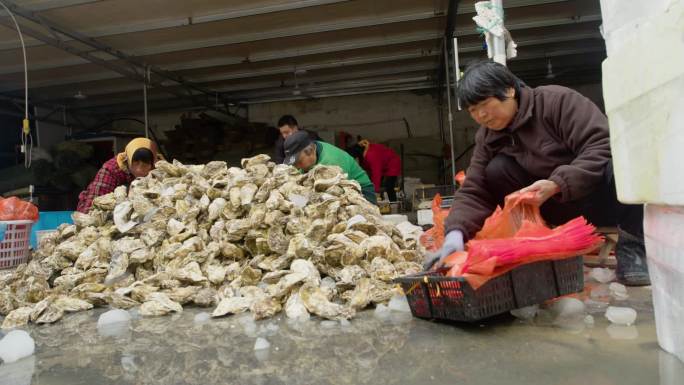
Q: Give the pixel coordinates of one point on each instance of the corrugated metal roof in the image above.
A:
(247, 51)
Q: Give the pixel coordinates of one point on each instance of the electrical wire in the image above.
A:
(26, 137)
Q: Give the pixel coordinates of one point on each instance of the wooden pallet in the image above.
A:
(605, 257)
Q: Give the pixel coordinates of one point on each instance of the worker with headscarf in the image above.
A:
(382, 164)
(136, 161)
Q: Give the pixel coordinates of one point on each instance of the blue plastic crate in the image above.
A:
(49, 220)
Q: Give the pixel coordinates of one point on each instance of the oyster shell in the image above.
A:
(295, 308)
(260, 238)
(122, 217)
(317, 303)
(383, 270)
(232, 305)
(17, 317)
(361, 295)
(159, 304)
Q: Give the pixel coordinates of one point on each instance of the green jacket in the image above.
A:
(329, 155)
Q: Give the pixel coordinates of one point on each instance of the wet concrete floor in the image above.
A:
(392, 349)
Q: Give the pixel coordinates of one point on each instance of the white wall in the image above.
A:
(376, 116)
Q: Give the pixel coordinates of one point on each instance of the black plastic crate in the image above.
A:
(452, 298)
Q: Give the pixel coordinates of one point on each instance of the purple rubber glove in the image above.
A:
(452, 242)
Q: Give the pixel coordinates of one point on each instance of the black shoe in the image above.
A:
(630, 253)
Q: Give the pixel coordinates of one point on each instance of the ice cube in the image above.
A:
(113, 323)
(201, 318)
(399, 303)
(113, 316)
(16, 345)
(618, 291)
(382, 312)
(261, 344)
(600, 291)
(526, 313)
(622, 332)
(602, 275)
(621, 315)
(345, 323)
(568, 306)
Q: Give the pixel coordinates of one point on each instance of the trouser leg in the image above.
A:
(505, 176)
(390, 182)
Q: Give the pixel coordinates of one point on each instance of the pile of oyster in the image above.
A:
(261, 238)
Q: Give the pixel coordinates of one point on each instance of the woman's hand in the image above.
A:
(543, 189)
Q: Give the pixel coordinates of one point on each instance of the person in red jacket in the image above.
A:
(382, 164)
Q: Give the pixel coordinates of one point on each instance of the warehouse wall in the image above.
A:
(377, 117)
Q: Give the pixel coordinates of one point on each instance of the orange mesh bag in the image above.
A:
(506, 222)
(460, 177)
(516, 235)
(14, 209)
(433, 238)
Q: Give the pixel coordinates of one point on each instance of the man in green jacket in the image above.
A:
(304, 153)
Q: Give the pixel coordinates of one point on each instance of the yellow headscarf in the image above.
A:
(123, 159)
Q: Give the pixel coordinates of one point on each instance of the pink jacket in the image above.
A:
(379, 161)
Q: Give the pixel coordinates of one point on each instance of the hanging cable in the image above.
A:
(147, 79)
(26, 138)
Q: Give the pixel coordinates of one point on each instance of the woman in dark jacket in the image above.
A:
(550, 140)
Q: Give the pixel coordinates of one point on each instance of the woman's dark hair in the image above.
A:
(287, 120)
(143, 155)
(486, 79)
(355, 151)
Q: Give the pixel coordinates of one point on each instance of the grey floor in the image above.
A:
(391, 350)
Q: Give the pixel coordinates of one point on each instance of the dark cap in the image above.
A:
(294, 144)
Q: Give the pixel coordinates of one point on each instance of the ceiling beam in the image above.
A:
(216, 15)
(46, 5)
(293, 53)
(275, 84)
(399, 56)
(164, 105)
(133, 68)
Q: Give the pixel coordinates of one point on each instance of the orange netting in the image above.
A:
(434, 237)
(14, 209)
(460, 177)
(514, 236)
